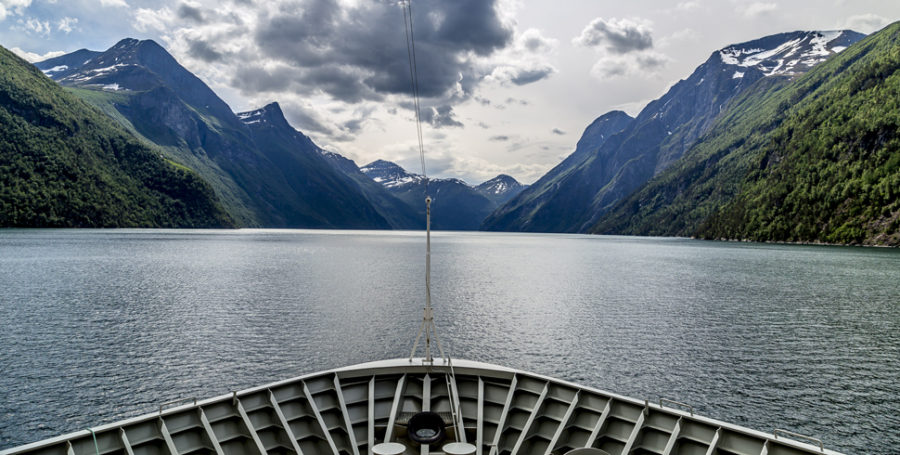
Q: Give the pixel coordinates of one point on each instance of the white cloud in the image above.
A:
(32, 57)
(146, 19)
(865, 23)
(16, 7)
(37, 26)
(641, 64)
(756, 9)
(114, 3)
(533, 41)
(688, 5)
(66, 24)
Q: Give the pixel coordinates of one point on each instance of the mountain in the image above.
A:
(811, 159)
(455, 205)
(500, 189)
(578, 196)
(64, 164)
(333, 198)
(534, 208)
(265, 174)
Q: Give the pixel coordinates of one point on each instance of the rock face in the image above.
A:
(576, 194)
(63, 164)
(265, 172)
(455, 205)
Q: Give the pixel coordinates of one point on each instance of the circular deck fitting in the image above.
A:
(426, 428)
(459, 448)
(389, 448)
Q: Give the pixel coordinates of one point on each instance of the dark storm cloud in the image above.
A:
(525, 77)
(202, 50)
(186, 11)
(368, 43)
(619, 36)
(440, 116)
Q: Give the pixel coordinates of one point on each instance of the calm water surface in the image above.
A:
(96, 326)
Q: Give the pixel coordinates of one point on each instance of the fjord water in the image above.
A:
(100, 325)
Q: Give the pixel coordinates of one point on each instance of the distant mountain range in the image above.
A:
(455, 204)
(616, 155)
(264, 171)
(790, 137)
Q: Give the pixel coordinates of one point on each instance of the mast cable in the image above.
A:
(428, 317)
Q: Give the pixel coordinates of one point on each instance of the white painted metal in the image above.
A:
(426, 404)
(281, 419)
(249, 425)
(389, 448)
(371, 413)
(458, 423)
(714, 443)
(395, 409)
(562, 424)
(599, 425)
(318, 414)
(303, 421)
(164, 431)
(427, 328)
(209, 434)
(347, 423)
(638, 426)
(459, 448)
(479, 430)
(504, 414)
(673, 438)
(125, 442)
(534, 413)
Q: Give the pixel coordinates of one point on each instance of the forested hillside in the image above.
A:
(816, 159)
(64, 164)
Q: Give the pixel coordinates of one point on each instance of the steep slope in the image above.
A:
(398, 213)
(663, 130)
(63, 164)
(533, 208)
(816, 159)
(334, 197)
(455, 205)
(145, 89)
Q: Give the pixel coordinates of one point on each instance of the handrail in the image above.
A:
(677, 403)
(800, 436)
(183, 400)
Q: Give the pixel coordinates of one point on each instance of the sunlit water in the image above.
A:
(102, 325)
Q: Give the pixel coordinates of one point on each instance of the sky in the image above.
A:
(506, 86)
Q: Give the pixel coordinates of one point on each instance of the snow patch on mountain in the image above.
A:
(791, 57)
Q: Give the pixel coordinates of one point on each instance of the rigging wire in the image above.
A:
(406, 6)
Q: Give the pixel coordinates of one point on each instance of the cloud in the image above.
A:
(865, 23)
(641, 64)
(688, 5)
(114, 3)
(34, 58)
(758, 9)
(534, 41)
(204, 51)
(65, 24)
(500, 138)
(440, 117)
(558, 131)
(519, 75)
(146, 19)
(37, 26)
(17, 7)
(191, 12)
(619, 36)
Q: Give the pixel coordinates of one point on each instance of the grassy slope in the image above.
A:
(812, 160)
(63, 164)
